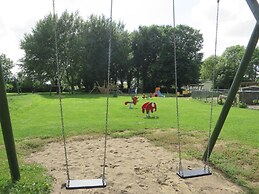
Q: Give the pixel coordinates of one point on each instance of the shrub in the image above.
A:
(242, 105)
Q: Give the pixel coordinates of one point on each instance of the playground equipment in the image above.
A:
(196, 172)
(7, 131)
(133, 102)
(254, 7)
(157, 93)
(86, 183)
(185, 93)
(149, 107)
(104, 89)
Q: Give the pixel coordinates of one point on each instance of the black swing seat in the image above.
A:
(194, 173)
(85, 184)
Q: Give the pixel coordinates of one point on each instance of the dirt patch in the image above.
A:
(134, 165)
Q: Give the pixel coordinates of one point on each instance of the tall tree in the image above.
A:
(145, 46)
(189, 44)
(208, 66)
(39, 47)
(253, 68)
(188, 54)
(7, 65)
(40, 54)
(95, 39)
(227, 66)
(121, 66)
(69, 27)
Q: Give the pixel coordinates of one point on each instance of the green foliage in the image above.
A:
(8, 87)
(7, 65)
(189, 44)
(256, 102)
(145, 47)
(242, 105)
(95, 41)
(39, 47)
(253, 68)
(153, 55)
(208, 66)
(226, 66)
(145, 55)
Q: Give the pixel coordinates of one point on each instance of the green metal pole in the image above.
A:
(7, 131)
(233, 90)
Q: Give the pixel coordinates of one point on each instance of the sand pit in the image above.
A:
(133, 166)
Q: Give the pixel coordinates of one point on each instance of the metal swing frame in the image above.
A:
(85, 183)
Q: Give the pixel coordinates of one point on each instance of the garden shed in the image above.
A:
(249, 95)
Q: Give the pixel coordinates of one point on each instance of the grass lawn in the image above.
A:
(36, 120)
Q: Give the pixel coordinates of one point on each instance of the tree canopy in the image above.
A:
(7, 65)
(144, 56)
(226, 67)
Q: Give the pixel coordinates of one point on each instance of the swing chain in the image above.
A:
(107, 93)
(207, 162)
(59, 89)
(180, 168)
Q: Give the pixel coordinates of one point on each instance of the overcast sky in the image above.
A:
(236, 21)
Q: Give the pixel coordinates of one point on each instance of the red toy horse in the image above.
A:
(133, 102)
(149, 107)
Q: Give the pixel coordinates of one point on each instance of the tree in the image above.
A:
(40, 49)
(153, 55)
(95, 44)
(7, 65)
(188, 45)
(95, 47)
(253, 68)
(145, 55)
(145, 47)
(69, 27)
(121, 66)
(227, 66)
(208, 66)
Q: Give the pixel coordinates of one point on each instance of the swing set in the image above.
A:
(101, 182)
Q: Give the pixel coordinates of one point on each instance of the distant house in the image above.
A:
(249, 94)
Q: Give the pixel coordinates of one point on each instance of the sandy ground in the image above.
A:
(133, 166)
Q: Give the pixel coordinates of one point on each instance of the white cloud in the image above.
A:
(236, 23)
(18, 18)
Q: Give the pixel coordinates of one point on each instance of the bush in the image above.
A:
(255, 102)
(8, 87)
(242, 105)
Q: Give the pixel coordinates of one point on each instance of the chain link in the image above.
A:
(180, 168)
(107, 93)
(59, 90)
(207, 162)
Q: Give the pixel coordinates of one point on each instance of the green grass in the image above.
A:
(36, 120)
